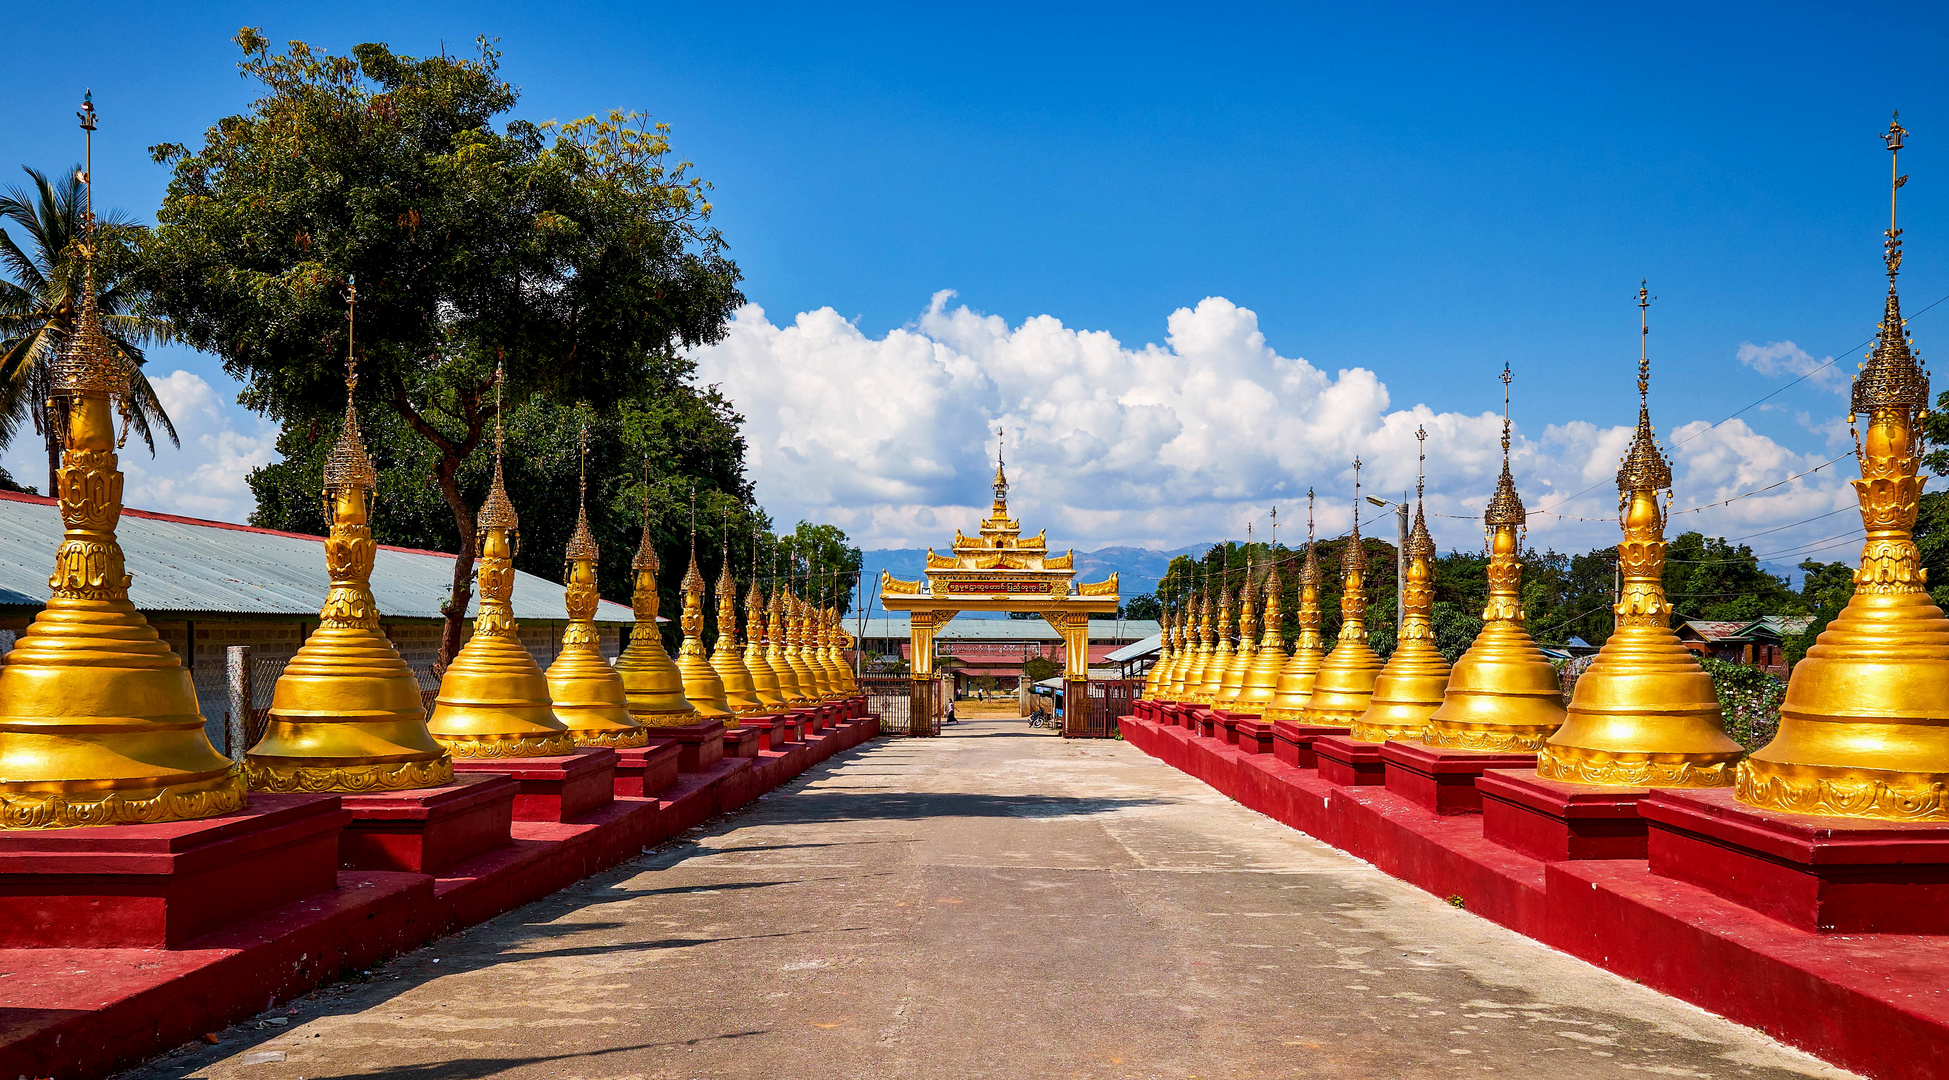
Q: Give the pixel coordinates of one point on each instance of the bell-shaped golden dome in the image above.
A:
(346, 713)
(1409, 689)
(1644, 713)
(99, 723)
(1502, 695)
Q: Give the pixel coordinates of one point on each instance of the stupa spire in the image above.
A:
(1644, 713)
(346, 713)
(1344, 685)
(1502, 695)
(1860, 732)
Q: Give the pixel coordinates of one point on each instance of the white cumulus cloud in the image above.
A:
(1183, 441)
(206, 477)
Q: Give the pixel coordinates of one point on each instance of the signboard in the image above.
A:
(997, 588)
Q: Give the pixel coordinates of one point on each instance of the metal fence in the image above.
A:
(890, 696)
(1105, 701)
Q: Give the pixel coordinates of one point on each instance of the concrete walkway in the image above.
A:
(993, 903)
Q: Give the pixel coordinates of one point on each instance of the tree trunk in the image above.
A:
(455, 609)
(447, 474)
(51, 431)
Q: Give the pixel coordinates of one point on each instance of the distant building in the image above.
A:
(209, 585)
(1759, 643)
(996, 649)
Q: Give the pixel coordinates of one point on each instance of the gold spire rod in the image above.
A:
(1420, 465)
(1893, 138)
(1644, 339)
(1356, 476)
(88, 118)
(1505, 414)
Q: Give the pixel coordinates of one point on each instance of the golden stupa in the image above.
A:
(1295, 689)
(727, 659)
(777, 648)
(346, 714)
(1344, 685)
(1644, 713)
(589, 696)
(1159, 674)
(819, 652)
(817, 655)
(1194, 649)
(701, 684)
(764, 681)
(840, 641)
(1503, 695)
(1221, 650)
(1864, 730)
(493, 700)
(1248, 639)
(1409, 689)
(653, 685)
(99, 723)
(1269, 662)
(803, 676)
(1173, 642)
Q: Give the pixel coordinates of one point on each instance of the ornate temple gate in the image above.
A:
(1000, 570)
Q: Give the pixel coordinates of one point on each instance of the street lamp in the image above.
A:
(1400, 555)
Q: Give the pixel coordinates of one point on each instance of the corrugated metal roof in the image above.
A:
(1132, 651)
(1007, 629)
(209, 567)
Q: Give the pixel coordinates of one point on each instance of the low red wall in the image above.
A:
(1874, 1003)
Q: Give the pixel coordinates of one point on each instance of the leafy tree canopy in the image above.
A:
(577, 256)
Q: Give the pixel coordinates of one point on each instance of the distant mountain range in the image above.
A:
(1138, 568)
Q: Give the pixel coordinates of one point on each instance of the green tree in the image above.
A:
(577, 257)
(38, 302)
(1141, 606)
(683, 437)
(1708, 578)
(826, 564)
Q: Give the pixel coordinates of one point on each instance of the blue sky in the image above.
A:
(1417, 191)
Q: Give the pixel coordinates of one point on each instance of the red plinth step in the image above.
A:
(1292, 742)
(809, 720)
(1822, 874)
(770, 729)
(1252, 735)
(1349, 763)
(700, 745)
(560, 788)
(1441, 779)
(743, 741)
(1555, 821)
(429, 829)
(1206, 721)
(157, 886)
(643, 771)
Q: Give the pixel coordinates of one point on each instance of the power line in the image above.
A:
(1831, 361)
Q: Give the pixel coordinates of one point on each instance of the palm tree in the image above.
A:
(38, 305)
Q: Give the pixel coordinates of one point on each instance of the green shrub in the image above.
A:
(1750, 698)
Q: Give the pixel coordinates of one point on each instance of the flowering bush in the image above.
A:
(1750, 698)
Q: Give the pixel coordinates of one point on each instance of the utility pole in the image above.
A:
(1400, 556)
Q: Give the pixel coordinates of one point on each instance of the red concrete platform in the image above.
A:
(1440, 779)
(1875, 1003)
(1292, 742)
(560, 788)
(1206, 721)
(1348, 762)
(645, 770)
(810, 722)
(744, 741)
(1254, 736)
(1554, 821)
(157, 886)
(428, 829)
(1823, 874)
(770, 728)
(701, 744)
(78, 1013)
